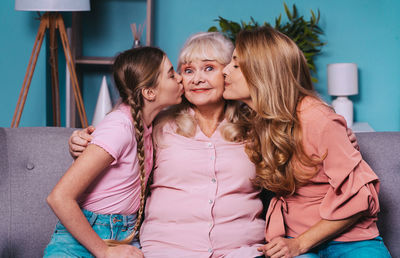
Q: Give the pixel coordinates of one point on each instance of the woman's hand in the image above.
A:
(123, 251)
(281, 247)
(79, 140)
(353, 139)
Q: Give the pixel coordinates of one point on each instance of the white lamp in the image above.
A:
(53, 21)
(343, 82)
(52, 5)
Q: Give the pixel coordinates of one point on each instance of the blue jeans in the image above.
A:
(357, 249)
(113, 226)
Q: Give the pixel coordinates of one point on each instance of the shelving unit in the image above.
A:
(94, 62)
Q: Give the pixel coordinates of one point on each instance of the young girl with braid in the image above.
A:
(100, 199)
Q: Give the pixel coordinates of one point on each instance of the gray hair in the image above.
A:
(206, 46)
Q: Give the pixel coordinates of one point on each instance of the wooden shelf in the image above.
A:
(94, 63)
(85, 60)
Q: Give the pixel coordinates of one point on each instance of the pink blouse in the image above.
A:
(344, 186)
(202, 203)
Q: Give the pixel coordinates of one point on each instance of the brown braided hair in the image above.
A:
(134, 70)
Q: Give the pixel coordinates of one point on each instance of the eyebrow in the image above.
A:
(208, 60)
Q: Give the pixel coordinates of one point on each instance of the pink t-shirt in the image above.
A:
(202, 203)
(345, 185)
(117, 189)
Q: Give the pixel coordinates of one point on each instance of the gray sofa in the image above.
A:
(33, 159)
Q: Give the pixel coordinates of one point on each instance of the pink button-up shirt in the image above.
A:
(344, 185)
(117, 189)
(202, 203)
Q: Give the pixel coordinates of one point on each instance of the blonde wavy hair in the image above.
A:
(204, 46)
(276, 72)
(134, 70)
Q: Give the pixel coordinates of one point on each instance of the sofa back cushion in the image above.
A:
(32, 161)
(381, 150)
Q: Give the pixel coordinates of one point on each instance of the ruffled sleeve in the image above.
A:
(354, 186)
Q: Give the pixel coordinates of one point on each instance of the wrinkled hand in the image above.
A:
(281, 247)
(122, 251)
(79, 140)
(352, 138)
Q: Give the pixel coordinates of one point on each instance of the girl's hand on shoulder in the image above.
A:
(281, 247)
(79, 140)
(122, 251)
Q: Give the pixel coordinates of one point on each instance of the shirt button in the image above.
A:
(209, 144)
(210, 224)
(210, 250)
(212, 158)
(210, 201)
(213, 180)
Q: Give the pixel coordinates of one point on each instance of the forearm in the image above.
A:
(71, 216)
(63, 198)
(323, 231)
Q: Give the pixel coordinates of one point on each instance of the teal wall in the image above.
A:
(17, 37)
(362, 31)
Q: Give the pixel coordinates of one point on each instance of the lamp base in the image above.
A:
(344, 107)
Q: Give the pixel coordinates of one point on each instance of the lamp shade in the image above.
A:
(342, 79)
(52, 5)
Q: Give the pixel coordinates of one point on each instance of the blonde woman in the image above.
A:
(326, 200)
(101, 196)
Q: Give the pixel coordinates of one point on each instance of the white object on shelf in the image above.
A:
(361, 127)
(343, 82)
(103, 105)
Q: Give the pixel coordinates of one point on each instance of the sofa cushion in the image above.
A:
(33, 160)
(381, 150)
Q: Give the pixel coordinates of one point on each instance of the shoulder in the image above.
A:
(116, 124)
(321, 126)
(314, 113)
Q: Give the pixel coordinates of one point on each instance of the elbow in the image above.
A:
(54, 199)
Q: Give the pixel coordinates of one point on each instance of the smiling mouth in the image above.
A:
(200, 90)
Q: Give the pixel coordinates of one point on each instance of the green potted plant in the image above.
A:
(306, 33)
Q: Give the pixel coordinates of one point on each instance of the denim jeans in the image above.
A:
(113, 226)
(357, 249)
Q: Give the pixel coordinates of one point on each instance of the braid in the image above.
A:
(134, 70)
(139, 129)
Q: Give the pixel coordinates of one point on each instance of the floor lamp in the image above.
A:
(53, 21)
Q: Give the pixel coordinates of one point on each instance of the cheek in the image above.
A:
(217, 81)
(185, 79)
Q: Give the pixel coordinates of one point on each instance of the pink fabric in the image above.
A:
(345, 185)
(202, 203)
(117, 189)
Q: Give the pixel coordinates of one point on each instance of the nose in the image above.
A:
(225, 71)
(197, 78)
(178, 78)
